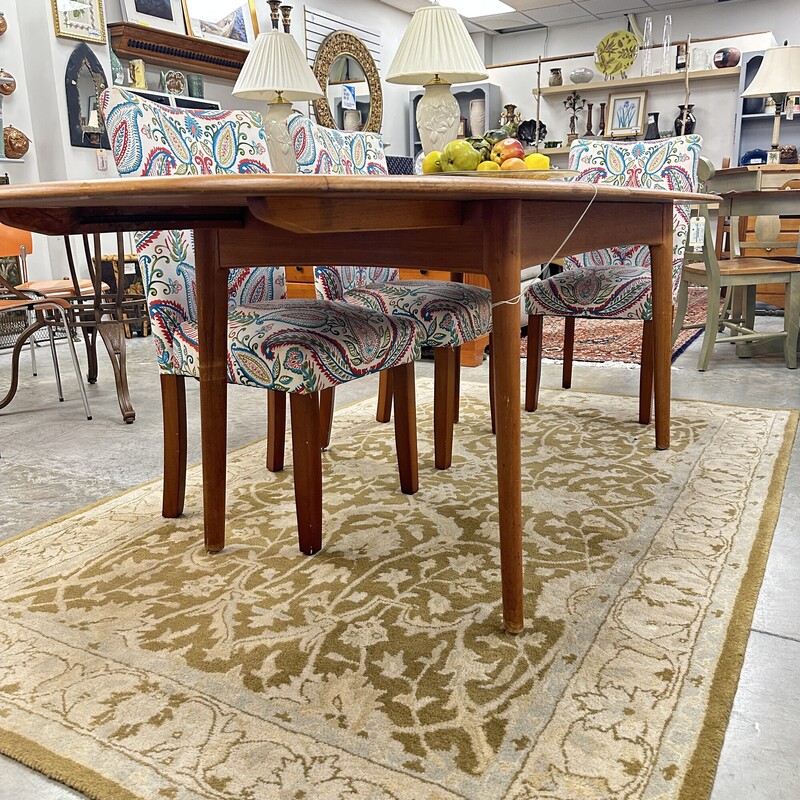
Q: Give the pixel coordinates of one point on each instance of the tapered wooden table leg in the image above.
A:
(212, 312)
(661, 266)
(501, 255)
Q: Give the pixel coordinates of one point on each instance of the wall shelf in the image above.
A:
(168, 49)
(5, 160)
(631, 83)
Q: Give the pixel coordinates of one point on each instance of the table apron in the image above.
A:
(452, 247)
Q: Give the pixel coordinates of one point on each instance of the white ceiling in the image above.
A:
(538, 13)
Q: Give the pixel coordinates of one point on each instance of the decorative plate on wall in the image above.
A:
(616, 53)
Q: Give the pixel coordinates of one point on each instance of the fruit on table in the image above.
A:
(488, 166)
(432, 162)
(537, 161)
(507, 148)
(460, 156)
(483, 146)
(513, 163)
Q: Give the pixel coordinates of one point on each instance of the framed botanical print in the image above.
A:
(79, 19)
(166, 15)
(626, 114)
(231, 22)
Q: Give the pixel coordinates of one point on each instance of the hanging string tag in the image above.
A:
(697, 234)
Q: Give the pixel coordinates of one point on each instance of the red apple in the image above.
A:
(507, 148)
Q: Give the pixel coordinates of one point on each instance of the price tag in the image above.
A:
(697, 233)
(102, 160)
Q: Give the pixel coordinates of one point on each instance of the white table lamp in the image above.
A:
(277, 72)
(777, 77)
(435, 52)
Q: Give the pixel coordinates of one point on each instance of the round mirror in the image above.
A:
(349, 78)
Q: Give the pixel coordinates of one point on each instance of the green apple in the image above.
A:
(460, 156)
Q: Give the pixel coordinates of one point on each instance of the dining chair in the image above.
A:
(739, 273)
(448, 314)
(35, 308)
(298, 347)
(613, 283)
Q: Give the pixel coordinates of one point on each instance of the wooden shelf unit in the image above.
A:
(631, 83)
(175, 50)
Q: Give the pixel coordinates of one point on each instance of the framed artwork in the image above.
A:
(231, 22)
(626, 114)
(167, 15)
(79, 19)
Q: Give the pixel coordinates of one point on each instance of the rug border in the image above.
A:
(701, 773)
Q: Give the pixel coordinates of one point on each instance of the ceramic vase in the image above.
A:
(556, 78)
(352, 119)
(477, 117)
(652, 126)
(691, 121)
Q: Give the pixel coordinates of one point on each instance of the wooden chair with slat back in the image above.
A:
(707, 269)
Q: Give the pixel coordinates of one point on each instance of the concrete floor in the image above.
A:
(52, 461)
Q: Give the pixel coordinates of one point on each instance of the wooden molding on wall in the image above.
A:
(175, 50)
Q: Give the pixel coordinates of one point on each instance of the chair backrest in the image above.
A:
(669, 164)
(325, 151)
(151, 139)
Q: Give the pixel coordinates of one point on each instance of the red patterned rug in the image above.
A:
(619, 341)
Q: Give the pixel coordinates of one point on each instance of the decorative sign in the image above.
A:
(348, 95)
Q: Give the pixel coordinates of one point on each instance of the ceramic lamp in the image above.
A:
(777, 77)
(436, 51)
(277, 72)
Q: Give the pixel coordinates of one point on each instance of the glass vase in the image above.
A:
(647, 50)
(691, 121)
(652, 127)
(666, 46)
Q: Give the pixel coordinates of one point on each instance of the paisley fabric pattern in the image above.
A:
(325, 151)
(303, 346)
(448, 314)
(150, 139)
(615, 282)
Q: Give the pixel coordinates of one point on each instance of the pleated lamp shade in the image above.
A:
(276, 65)
(779, 73)
(436, 43)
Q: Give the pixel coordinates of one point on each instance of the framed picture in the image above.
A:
(626, 114)
(167, 15)
(79, 19)
(231, 22)
(462, 127)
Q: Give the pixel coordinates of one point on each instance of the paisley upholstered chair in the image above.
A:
(448, 314)
(614, 283)
(287, 347)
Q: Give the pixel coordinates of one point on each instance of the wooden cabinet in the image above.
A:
(300, 283)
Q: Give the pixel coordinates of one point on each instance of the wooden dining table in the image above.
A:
(461, 224)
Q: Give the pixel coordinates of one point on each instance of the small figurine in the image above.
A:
(571, 104)
(136, 74)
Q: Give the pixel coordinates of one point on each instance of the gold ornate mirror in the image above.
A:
(349, 79)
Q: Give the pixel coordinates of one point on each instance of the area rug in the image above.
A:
(616, 341)
(134, 665)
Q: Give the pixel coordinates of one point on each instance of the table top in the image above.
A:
(183, 201)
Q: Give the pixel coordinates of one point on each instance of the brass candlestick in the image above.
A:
(285, 13)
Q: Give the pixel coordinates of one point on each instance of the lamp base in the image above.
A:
(773, 157)
(438, 115)
(279, 143)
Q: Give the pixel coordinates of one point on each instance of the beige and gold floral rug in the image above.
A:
(133, 664)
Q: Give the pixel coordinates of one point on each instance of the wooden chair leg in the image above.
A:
(646, 373)
(276, 430)
(444, 392)
(680, 311)
(491, 386)
(405, 427)
(384, 412)
(173, 404)
(791, 320)
(307, 454)
(457, 390)
(533, 369)
(712, 327)
(569, 350)
(326, 400)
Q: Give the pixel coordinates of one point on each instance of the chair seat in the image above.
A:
(60, 288)
(448, 314)
(747, 266)
(619, 292)
(303, 346)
